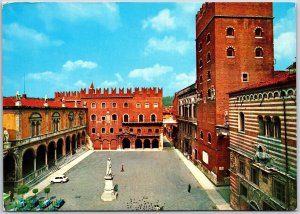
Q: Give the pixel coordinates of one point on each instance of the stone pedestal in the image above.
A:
(109, 193)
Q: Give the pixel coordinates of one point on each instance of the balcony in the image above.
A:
(222, 130)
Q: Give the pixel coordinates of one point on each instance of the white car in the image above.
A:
(59, 179)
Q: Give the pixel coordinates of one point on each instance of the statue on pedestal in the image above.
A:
(109, 193)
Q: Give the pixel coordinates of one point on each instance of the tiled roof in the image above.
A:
(37, 103)
(279, 78)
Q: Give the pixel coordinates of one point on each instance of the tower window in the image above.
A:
(208, 39)
(93, 105)
(230, 52)
(208, 93)
(93, 117)
(230, 32)
(103, 105)
(93, 130)
(103, 130)
(258, 32)
(125, 118)
(258, 52)
(111, 130)
(208, 57)
(114, 105)
(201, 79)
(114, 117)
(208, 75)
(200, 63)
(209, 138)
(245, 77)
(200, 46)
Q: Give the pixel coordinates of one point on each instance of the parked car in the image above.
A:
(53, 209)
(59, 203)
(59, 179)
(46, 203)
(21, 203)
(34, 202)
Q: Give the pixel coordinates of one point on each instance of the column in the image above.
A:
(143, 144)
(55, 153)
(71, 148)
(193, 111)
(46, 159)
(34, 166)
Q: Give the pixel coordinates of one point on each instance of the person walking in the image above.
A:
(189, 188)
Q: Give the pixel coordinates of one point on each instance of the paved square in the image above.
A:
(149, 177)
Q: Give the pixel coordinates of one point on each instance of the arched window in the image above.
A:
(156, 131)
(241, 121)
(230, 31)
(209, 138)
(208, 75)
(71, 119)
(200, 63)
(139, 131)
(55, 121)
(35, 124)
(207, 38)
(208, 93)
(208, 57)
(258, 32)
(141, 118)
(93, 105)
(201, 135)
(93, 117)
(269, 126)
(230, 52)
(93, 130)
(103, 131)
(258, 52)
(200, 46)
(149, 131)
(153, 118)
(126, 105)
(126, 118)
(277, 130)
(201, 95)
(114, 117)
(261, 125)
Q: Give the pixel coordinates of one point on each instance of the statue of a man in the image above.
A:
(5, 136)
(108, 167)
(18, 96)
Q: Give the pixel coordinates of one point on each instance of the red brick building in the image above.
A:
(121, 119)
(234, 48)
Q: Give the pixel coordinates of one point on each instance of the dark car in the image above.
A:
(59, 203)
(34, 202)
(53, 209)
(46, 203)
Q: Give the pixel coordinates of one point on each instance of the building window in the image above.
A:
(138, 105)
(201, 135)
(120, 130)
(153, 118)
(208, 93)
(201, 79)
(141, 118)
(209, 138)
(261, 125)
(71, 119)
(242, 167)
(103, 105)
(200, 63)
(114, 105)
(55, 121)
(208, 75)
(268, 126)
(241, 122)
(230, 32)
(258, 52)
(258, 32)
(279, 190)
(103, 130)
(149, 131)
(208, 39)
(230, 52)
(208, 57)
(139, 131)
(131, 129)
(93, 130)
(81, 118)
(103, 118)
(156, 131)
(245, 77)
(146, 105)
(93, 117)
(243, 190)
(201, 95)
(155, 105)
(200, 46)
(277, 130)
(111, 130)
(93, 105)
(126, 118)
(114, 117)
(255, 176)
(126, 105)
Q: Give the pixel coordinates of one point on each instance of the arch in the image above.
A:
(73, 144)
(59, 148)
(97, 144)
(41, 156)
(126, 143)
(153, 118)
(113, 144)
(114, 117)
(259, 52)
(78, 140)
(155, 143)
(141, 118)
(125, 118)
(276, 94)
(138, 144)
(251, 97)
(230, 52)
(93, 117)
(290, 92)
(258, 32)
(55, 121)
(68, 145)
(255, 97)
(28, 162)
(270, 95)
(105, 144)
(247, 97)
(51, 154)
(229, 31)
(9, 171)
(146, 143)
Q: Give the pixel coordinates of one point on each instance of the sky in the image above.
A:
(66, 46)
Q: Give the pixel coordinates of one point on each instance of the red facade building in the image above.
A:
(234, 49)
(121, 119)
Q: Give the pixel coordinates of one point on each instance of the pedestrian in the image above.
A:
(189, 188)
(122, 170)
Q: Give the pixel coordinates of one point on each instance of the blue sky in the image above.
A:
(66, 46)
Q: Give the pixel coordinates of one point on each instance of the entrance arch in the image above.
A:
(78, 141)
(126, 143)
(73, 144)
(68, 147)
(138, 144)
(51, 154)
(41, 156)
(28, 162)
(155, 143)
(59, 148)
(146, 143)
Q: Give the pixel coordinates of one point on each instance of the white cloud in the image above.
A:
(73, 65)
(119, 77)
(285, 46)
(106, 14)
(182, 80)
(80, 84)
(46, 75)
(287, 23)
(168, 44)
(163, 21)
(24, 35)
(109, 83)
(150, 73)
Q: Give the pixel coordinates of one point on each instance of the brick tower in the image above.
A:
(234, 49)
